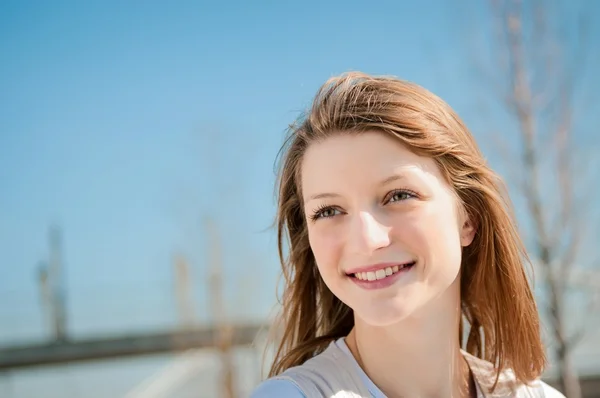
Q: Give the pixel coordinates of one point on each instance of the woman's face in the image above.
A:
(383, 224)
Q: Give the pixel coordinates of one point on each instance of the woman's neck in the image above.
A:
(418, 357)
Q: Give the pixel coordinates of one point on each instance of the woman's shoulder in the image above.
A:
(276, 388)
(549, 391)
(505, 383)
(297, 381)
(325, 374)
(538, 388)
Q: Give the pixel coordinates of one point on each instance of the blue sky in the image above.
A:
(127, 122)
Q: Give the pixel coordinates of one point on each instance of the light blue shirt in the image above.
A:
(273, 388)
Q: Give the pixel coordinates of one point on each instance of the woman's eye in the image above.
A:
(325, 213)
(399, 196)
(328, 213)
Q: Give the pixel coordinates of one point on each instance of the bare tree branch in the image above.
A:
(544, 73)
(580, 331)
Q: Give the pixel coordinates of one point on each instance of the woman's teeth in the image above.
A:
(380, 273)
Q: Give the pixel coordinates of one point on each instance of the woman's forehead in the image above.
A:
(369, 158)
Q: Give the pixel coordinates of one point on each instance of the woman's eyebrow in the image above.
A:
(392, 178)
(323, 195)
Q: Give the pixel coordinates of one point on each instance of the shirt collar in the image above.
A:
(485, 375)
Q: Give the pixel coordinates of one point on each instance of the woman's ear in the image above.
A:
(467, 232)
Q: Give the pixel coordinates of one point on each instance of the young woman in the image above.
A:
(397, 240)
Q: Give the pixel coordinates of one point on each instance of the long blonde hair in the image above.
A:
(496, 297)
